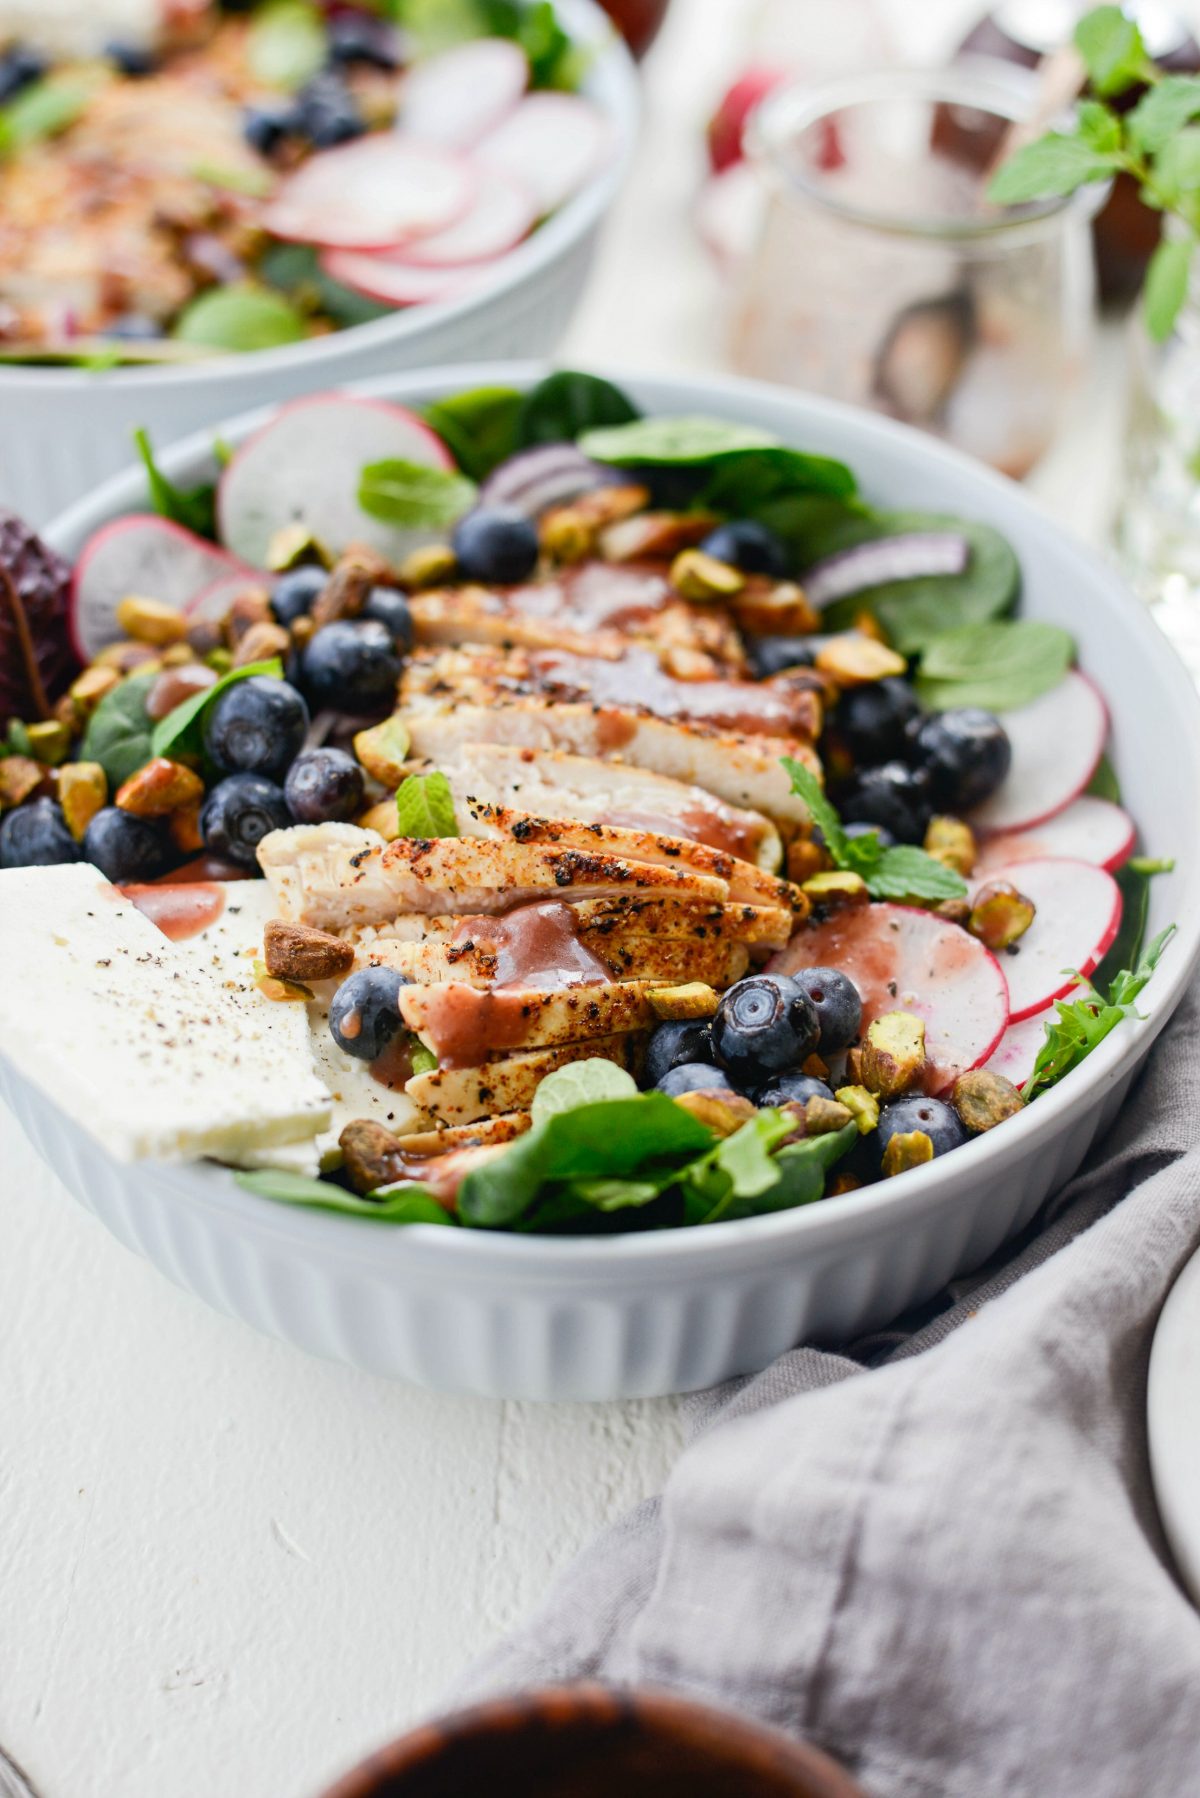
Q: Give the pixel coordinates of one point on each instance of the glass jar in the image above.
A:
(884, 278)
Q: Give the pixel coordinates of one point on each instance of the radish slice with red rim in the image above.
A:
(1089, 830)
(909, 556)
(372, 194)
(552, 144)
(498, 218)
(1057, 741)
(455, 98)
(901, 959)
(139, 554)
(1019, 1047)
(303, 468)
(1078, 910)
(389, 278)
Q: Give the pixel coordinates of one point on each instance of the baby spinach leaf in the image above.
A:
(745, 481)
(672, 442)
(192, 507)
(999, 666)
(802, 1168)
(425, 806)
(118, 734)
(478, 427)
(738, 1169)
(406, 1203)
(295, 269)
(285, 46)
(569, 403)
(412, 496)
(588, 1082)
(241, 317)
(181, 732)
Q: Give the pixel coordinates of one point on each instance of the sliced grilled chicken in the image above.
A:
(353, 877)
(744, 771)
(552, 784)
(464, 1024)
(759, 926)
(483, 1133)
(459, 1095)
(663, 960)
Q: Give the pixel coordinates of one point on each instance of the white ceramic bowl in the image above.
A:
(643, 1314)
(62, 430)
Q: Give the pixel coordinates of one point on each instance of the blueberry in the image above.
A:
(364, 1015)
(131, 59)
(134, 327)
(351, 667)
(391, 609)
(360, 37)
(792, 1089)
(693, 1077)
(495, 543)
(895, 797)
(871, 720)
(265, 127)
(764, 1024)
(748, 546)
(324, 786)
(939, 1122)
(326, 113)
(965, 754)
(35, 835)
(771, 655)
(296, 592)
(239, 813)
(838, 1006)
(19, 67)
(123, 847)
(673, 1045)
(256, 726)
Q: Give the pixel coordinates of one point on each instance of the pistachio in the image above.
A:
(823, 1116)
(204, 636)
(298, 952)
(50, 741)
(767, 608)
(250, 607)
(383, 750)
(909, 1148)
(428, 566)
(720, 1109)
(303, 630)
(843, 1183)
(284, 992)
(682, 662)
(20, 778)
(806, 858)
(837, 887)
(260, 643)
(183, 828)
(893, 1053)
(569, 533)
(82, 791)
(698, 577)
(999, 915)
(371, 1154)
(382, 818)
(219, 660)
(125, 657)
(675, 1003)
(351, 579)
(180, 655)
(293, 545)
(653, 536)
(955, 911)
(815, 1068)
(565, 536)
(868, 625)
(151, 621)
(159, 788)
(951, 842)
(856, 660)
(862, 1105)
(983, 1100)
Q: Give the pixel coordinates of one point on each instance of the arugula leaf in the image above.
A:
(241, 317)
(405, 1203)
(1113, 50)
(411, 495)
(286, 46)
(901, 872)
(1084, 1022)
(567, 404)
(1166, 285)
(478, 427)
(425, 806)
(1134, 881)
(739, 1168)
(118, 733)
(999, 666)
(181, 732)
(192, 507)
(587, 1082)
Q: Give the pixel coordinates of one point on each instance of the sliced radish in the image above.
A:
(396, 282)
(1089, 830)
(1078, 914)
(212, 602)
(142, 554)
(372, 194)
(304, 468)
(729, 214)
(552, 144)
(1018, 1048)
(501, 214)
(459, 96)
(901, 959)
(1057, 741)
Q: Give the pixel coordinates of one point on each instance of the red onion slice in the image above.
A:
(907, 557)
(550, 474)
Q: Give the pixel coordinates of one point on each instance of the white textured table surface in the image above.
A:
(226, 1568)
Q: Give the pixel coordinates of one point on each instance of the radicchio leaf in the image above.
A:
(37, 662)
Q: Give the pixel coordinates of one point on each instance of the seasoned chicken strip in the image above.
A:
(460, 1021)
(663, 960)
(459, 1095)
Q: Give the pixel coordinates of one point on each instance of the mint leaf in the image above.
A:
(668, 442)
(999, 666)
(425, 806)
(1177, 168)
(1081, 1023)
(412, 496)
(240, 318)
(1112, 48)
(192, 507)
(1163, 110)
(588, 1082)
(1166, 286)
(181, 732)
(1098, 125)
(902, 872)
(118, 731)
(806, 785)
(1049, 167)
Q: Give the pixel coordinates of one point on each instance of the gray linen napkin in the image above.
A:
(940, 1558)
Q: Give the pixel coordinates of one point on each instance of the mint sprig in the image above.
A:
(1083, 1022)
(425, 807)
(901, 872)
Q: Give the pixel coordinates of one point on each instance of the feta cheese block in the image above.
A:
(160, 1050)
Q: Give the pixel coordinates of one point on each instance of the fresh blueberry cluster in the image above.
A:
(325, 112)
(764, 1030)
